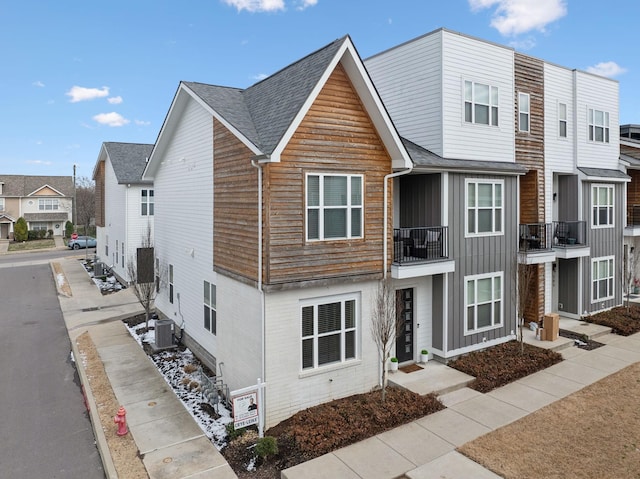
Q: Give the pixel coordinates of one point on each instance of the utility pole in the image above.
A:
(73, 210)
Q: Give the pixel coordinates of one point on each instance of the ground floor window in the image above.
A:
(329, 328)
(602, 272)
(210, 307)
(483, 295)
(38, 226)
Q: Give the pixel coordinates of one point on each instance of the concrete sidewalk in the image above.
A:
(170, 441)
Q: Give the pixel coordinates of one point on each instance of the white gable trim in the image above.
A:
(43, 187)
(358, 75)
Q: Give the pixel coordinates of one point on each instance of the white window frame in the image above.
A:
(562, 120)
(472, 282)
(595, 125)
(38, 225)
(350, 206)
(171, 283)
(469, 97)
(604, 262)
(1, 204)
(122, 246)
(48, 204)
(609, 207)
(315, 335)
(117, 253)
(474, 209)
(524, 111)
(147, 202)
(210, 307)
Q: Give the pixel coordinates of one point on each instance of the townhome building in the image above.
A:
(124, 205)
(630, 156)
(45, 202)
(550, 136)
(273, 226)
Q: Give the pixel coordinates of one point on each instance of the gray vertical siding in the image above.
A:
(420, 200)
(567, 197)
(481, 255)
(603, 242)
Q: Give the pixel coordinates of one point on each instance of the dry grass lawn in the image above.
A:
(593, 433)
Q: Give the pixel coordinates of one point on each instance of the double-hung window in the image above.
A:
(598, 126)
(147, 202)
(524, 112)
(602, 203)
(334, 206)
(1, 204)
(562, 120)
(483, 295)
(480, 103)
(210, 307)
(48, 204)
(602, 273)
(484, 210)
(329, 330)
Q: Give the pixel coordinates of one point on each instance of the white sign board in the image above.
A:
(245, 409)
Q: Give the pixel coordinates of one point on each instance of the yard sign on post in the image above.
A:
(248, 407)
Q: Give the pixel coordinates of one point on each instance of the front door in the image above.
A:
(404, 310)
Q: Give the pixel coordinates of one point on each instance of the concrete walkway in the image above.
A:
(170, 441)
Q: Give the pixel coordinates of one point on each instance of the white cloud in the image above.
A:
(111, 119)
(513, 17)
(607, 69)
(523, 44)
(256, 5)
(115, 100)
(38, 84)
(78, 93)
(38, 162)
(142, 122)
(304, 4)
(260, 76)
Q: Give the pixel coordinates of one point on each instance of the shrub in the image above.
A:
(267, 446)
(50, 234)
(32, 235)
(40, 234)
(232, 432)
(68, 229)
(20, 230)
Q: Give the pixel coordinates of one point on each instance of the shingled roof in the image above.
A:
(23, 185)
(128, 160)
(264, 111)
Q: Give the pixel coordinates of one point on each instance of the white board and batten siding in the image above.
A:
(114, 218)
(137, 224)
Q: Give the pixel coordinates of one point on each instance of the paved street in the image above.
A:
(45, 428)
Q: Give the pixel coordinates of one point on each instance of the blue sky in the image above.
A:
(78, 73)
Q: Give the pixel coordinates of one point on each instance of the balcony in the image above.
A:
(570, 239)
(535, 237)
(633, 221)
(411, 245)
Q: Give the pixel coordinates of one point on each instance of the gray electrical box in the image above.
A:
(164, 333)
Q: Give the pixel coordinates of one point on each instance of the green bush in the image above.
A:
(68, 229)
(50, 234)
(232, 432)
(267, 446)
(20, 230)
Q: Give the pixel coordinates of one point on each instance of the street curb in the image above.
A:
(92, 409)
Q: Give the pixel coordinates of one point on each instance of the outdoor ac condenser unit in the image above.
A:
(164, 333)
(98, 269)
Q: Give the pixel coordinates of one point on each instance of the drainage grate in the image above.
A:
(93, 308)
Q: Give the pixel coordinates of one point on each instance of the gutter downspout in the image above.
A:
(386, 214)
(256, 162)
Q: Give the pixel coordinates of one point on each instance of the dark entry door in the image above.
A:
(404, 342)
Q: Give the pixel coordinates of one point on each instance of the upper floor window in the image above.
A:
(602, 275)
(210, 307)
(480, 103)
(329, 330)
(602, 203)
(562, 120)
(598, 126)
(484, 210)
(483, 301)
(1, 204)
(334, 206)
(147, 202)
(524, 111)
(48, 204)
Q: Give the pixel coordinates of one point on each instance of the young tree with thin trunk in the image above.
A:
(525, 280)
(85, 202)
(144, 282)
(630, 265)
(386, 325)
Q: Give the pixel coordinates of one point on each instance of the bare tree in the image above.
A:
(141, 271)
(386, 325)
(85, 202)
(629, 267)
(525, 275)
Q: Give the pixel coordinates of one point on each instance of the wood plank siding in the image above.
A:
(633, 192)
(529, 78)
(235, 206)
(336, 136)
(99, 180)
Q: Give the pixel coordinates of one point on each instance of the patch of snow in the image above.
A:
(60, 279)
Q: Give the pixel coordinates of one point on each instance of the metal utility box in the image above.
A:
(164, 333)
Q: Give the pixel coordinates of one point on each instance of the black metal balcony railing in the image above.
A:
(411, 245)
(569, 233)
(535, 236)
(633, 215)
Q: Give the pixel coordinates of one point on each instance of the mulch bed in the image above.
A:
(581, 340)
(622, 320)
(503, 364)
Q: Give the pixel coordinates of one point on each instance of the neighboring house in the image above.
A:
(45, 202)
(125, 204)
(630, 155)
(463, 98)
(272, 228)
